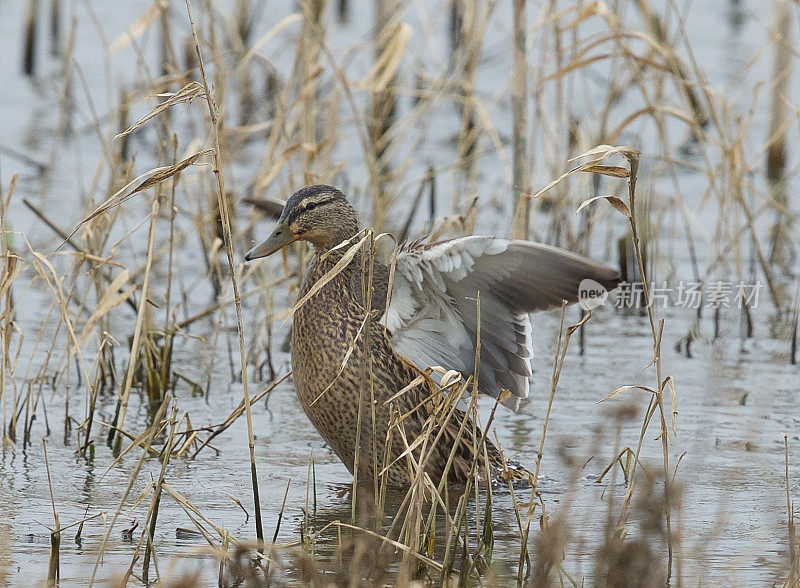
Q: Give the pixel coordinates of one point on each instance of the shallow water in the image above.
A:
(736, 399)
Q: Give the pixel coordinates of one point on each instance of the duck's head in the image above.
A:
(318, 214)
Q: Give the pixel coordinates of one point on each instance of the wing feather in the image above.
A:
(432, 315)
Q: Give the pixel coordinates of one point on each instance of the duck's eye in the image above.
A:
(311, 206)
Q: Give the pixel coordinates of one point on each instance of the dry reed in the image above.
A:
(296, 118)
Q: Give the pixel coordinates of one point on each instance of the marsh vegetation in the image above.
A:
(149, 426)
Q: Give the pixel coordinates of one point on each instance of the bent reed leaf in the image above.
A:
(186, 94)
(147, 179)
(612, 200)
(622, 389)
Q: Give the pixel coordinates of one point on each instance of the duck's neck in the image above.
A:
(323, 261)
(346, 285)
(325, 241)
(327, 252)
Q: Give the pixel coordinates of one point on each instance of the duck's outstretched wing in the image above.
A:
(432, 314)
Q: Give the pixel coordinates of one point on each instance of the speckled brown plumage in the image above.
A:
(323, 331)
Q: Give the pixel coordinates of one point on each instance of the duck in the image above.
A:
(364, 378)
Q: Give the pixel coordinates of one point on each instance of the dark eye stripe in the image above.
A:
(300, 209)
(314, 203)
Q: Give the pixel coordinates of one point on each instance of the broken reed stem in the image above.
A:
(222, 201)
(237, 413)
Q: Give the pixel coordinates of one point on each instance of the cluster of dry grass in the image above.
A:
(216, 93)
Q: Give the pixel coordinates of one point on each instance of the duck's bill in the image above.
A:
(279, 238)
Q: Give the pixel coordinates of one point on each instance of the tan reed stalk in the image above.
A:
(781, 70)
(779, 124)
(137, 333)
(794, 557)
(222, 200)
(367, 269)
(11, 269)
(519, 114)
(48, 274)
(633, 160)
(173, 212)
(309, 61)
(366, 374)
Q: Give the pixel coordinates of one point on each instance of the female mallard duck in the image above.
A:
(430, 320)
